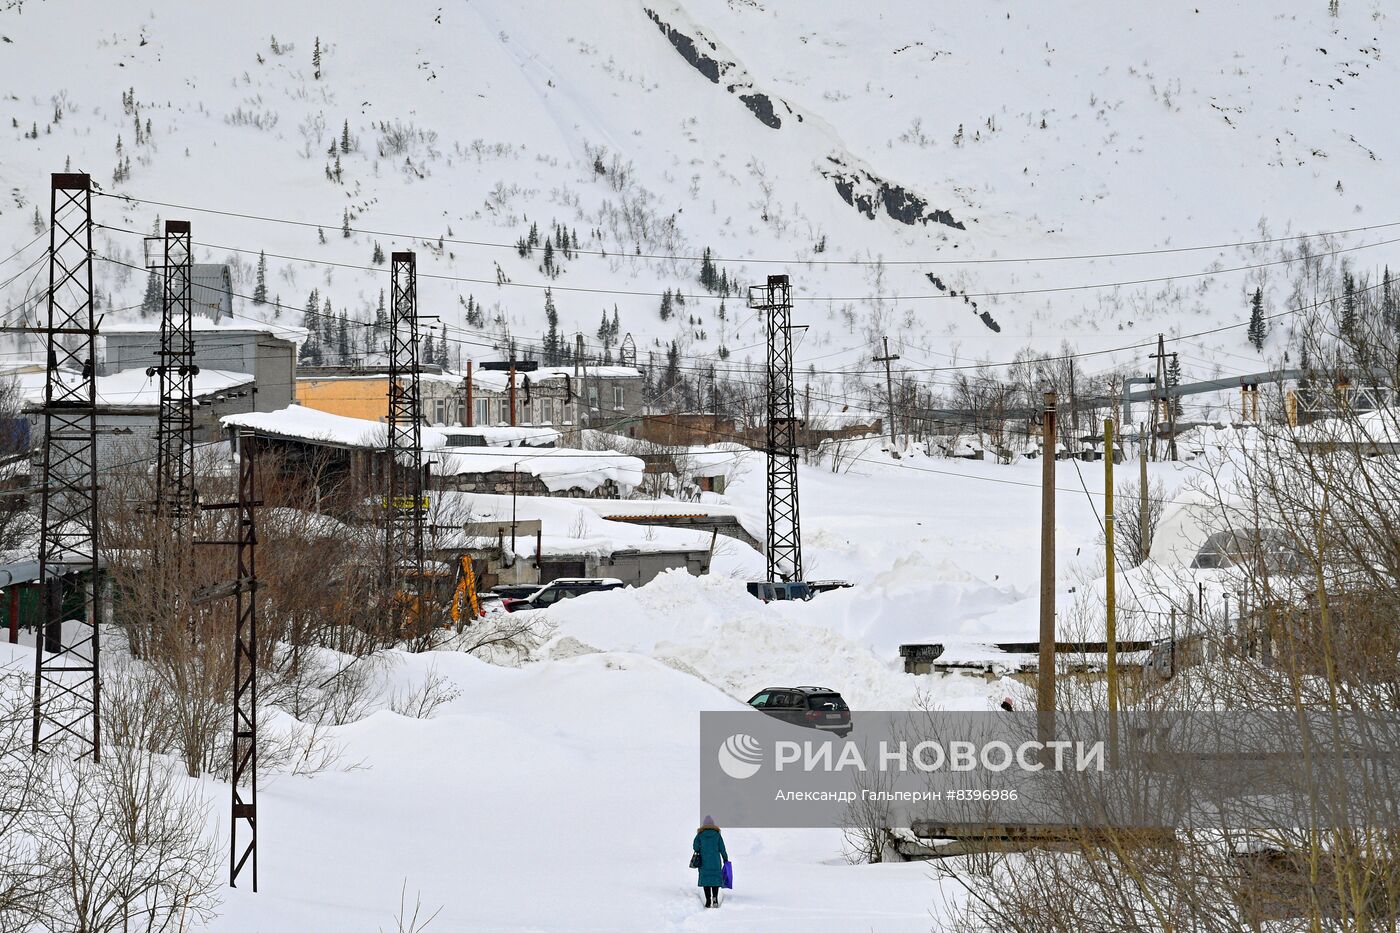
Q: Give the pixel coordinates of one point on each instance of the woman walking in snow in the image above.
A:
(709, 846)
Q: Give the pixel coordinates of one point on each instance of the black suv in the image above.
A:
(562, 588)
(814, 707)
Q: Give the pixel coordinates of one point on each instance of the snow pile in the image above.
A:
(711, 627)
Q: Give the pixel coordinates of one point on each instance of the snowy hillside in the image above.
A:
(885, 157)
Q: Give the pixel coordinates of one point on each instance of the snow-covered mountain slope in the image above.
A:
(845, 141)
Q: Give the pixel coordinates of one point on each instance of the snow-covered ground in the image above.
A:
(562, 795)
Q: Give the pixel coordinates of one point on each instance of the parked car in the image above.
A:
(563, 588)
(515, 590)
(813, 707)
(490, 603)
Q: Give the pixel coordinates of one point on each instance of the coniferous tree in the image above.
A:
(708, 279)
(1348, 323)
(311, 349)
(260, 287)
(378, 257)
(326, 321)
(381, 324)
(1390, 313)
(666, 305)
(151, 302)
(1174, 380)
(342, 338)
(345, 137)
(316, 59)
(1258, 330)
(672, 376)
(345, 224)
(551, 334)
(548, 266)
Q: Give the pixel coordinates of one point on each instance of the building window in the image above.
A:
(482, 413)
(592, 396)
(617, 397)
(439, 411)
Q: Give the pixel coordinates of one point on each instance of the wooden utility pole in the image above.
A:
(470, 415)
(512, 395)
(889, 383)
(1111, 620)
(807, 416)
(1073, 407)
(1144, 522)
(1045, 687)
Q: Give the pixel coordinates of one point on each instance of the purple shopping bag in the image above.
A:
(728, 875)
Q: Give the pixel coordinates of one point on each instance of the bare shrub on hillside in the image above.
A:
(423, 700)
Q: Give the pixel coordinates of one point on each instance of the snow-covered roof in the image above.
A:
(1379, 427)
(133, 388)
(559, 468)
(509, 436)
(313, 374)
(297, 422)
(493, 380)
(203, 324)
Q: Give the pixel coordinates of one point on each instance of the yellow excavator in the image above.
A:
(423, 609)
(465, 608)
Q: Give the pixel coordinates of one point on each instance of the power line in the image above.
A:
(842, 372)
(943, 296)
(488, 244)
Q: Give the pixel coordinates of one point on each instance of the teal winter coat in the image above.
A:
(710, 844)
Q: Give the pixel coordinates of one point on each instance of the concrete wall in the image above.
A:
(602, 404)
(368, 397)
(270, 360)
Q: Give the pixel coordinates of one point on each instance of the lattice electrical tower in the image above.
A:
(403, 506)
(176, 369)
(244, 590)
(245, 668)
(784, 543)
(67, 684)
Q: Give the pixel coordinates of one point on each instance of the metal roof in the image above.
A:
(211, 292)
